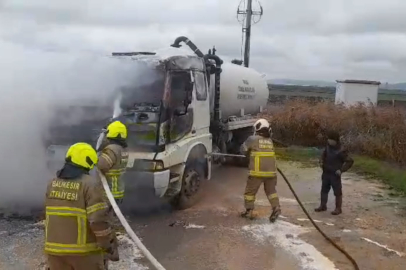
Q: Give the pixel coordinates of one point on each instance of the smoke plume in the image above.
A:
(33, 85)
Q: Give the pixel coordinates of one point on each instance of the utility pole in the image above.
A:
(248, 14)
(248, 34)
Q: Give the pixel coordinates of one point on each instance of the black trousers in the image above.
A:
(331, 180)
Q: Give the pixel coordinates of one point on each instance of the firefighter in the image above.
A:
(334, 161)
(113, 158)
(262, 169)
(77, 230)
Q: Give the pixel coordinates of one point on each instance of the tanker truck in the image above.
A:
(183, 106)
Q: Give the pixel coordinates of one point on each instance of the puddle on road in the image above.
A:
(400, 254)
(194, 226)
(286, 236)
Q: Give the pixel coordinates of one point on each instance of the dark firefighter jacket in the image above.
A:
(335, 158)
(262, 160)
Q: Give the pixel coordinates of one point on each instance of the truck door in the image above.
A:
(201, 103)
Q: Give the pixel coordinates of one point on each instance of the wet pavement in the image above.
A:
(211, 235)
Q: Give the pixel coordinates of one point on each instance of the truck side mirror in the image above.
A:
(189, 92)
(186, 101)
(189, 89)
(189, 86)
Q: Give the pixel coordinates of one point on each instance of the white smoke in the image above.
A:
(32, 83)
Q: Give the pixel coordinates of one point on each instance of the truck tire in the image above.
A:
(192, 186)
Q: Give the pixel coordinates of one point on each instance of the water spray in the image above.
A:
(116, 112)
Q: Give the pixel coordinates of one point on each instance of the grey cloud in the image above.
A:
(309, 36)
(123, 14)
(307, 16)
(336, 17)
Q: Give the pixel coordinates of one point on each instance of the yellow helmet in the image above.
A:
(117, 130)
(83, 155)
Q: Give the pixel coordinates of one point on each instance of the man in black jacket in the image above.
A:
(334, 161)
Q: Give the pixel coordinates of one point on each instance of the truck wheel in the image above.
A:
(192, 182)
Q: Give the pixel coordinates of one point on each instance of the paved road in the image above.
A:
(211, 235)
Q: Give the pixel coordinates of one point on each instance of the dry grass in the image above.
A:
(378, 132)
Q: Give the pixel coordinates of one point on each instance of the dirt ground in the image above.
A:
(371, 229)
(211, 235)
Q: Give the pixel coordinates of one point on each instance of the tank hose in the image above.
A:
(354, 263)
(127, 227)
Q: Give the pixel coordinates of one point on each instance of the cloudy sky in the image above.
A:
(298, 39)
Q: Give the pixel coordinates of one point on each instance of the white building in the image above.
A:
(352, 92)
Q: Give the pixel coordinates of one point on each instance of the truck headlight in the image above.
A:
(148, 165)
(159, 165)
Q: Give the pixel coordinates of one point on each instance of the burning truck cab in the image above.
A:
(160, 114)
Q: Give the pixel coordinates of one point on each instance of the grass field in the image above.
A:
(327, 93)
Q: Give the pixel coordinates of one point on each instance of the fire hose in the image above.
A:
(127, 227)
(349, 257)
(154, 261)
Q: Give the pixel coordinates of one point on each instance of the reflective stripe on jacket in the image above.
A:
(262, 161)
(113, 161)
(76, 220)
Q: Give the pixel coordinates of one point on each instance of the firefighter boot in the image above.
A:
(249, 213)
(323, 203)
(339, 202)
(275, 214)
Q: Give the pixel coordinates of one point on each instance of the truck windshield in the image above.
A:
(147, 87)
(142, 124)
(140, 105)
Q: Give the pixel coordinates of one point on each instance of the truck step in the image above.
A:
(171, 192)
(174, 185)
(174, 177)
